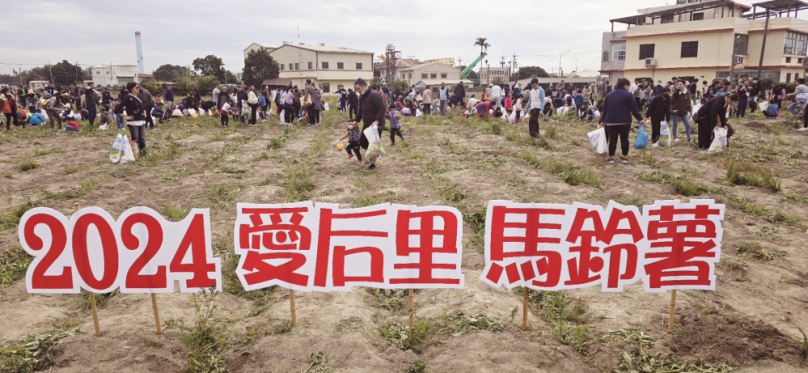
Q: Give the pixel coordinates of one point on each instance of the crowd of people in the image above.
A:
(678, 101)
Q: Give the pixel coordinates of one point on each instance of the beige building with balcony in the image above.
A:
(705, 40)
(327, 66)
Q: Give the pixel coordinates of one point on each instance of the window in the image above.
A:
(326, 88)
(311, 65)
(646, 51)
(605, 56)
(690, 49)
(325, 65)
(359, 66)
(796, 76)
(423, 76)
(340, 66)
(297, 66)
(97, 73)
(291, 66)
(697, 17)
(107, 72)
(433, 76)
(795, 43)
(799, 61)
(788, 78)
(282, 65)
(667, 19)
(443, 76)
(788, 59)
(619, 52)
(738, 60)
(741, 44)
(717, 13)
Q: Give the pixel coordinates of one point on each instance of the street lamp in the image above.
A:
(560, 70)
(487, 73)
(576, 64)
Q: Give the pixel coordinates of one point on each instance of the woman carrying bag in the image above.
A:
(135, 115)
(659, 110)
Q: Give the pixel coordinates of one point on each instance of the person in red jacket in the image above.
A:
(9, 107)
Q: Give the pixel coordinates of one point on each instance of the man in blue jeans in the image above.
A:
(680, 110)
(443, 95)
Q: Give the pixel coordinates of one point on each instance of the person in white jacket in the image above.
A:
(496, 95)
(252, 102)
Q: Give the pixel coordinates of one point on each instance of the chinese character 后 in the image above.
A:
(429, 248)
(684, 243)
(274, 242)
(523, 245)
(360, 238)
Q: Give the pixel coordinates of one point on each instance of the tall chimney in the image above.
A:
(140, 68)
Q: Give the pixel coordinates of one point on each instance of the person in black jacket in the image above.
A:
(90, 102)
(371, 111)
(353, 102)
(106, 97)
(460, 91)
(712, 114)
(148, 103)
(135, 115)
(618, 109)
(659, 110)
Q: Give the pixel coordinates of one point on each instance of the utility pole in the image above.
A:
(732, 63)
(560, 70)
(77, 71)
(763, 47)
(502, 61)
(50, 67)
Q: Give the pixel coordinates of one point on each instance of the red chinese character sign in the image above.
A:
(139, 253)
(307, 247)
(670, 245)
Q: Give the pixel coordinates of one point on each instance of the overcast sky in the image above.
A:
(95, 32)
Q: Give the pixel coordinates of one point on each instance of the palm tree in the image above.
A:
(482, 42)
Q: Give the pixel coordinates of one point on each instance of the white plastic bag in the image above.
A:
(512, 117)
(191, 111)
(597, 139)
(325, 106)
(128, 153)
(418, 113)
(117, 149)
(596, 114)
(375, 147)
(104, 127)
(719, 140)
(664, 134)
(283, 116)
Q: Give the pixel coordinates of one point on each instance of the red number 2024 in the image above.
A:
(194, 241)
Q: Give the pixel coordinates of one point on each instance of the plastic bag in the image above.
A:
(128, 153)
(418, 113)
(375, 147)
(117, 149)
(325, 106)
(282, 115)
(664, 134)
(719, 140)
(597, 139)
(596, 114)
(512, 117)
(642, 139)
(191, 111)
(764, 106)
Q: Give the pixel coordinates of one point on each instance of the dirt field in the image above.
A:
(750, 324)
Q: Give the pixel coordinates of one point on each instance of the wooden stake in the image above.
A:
(156, 314)
(96, 324)
(292, 306)
(412, 312)
(524, 309)
(672, 311)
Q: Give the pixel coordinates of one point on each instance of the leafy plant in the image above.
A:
(207, 340)
(13, 265)
(748, 173)
(35, 353)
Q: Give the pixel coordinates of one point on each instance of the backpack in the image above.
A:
(262, 101)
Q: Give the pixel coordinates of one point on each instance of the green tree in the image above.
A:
(529, 72)
(65, 73)
(229, 77)
(259, 65)
(206, 84)
(169, 73)
(483, 43)
(210, 66)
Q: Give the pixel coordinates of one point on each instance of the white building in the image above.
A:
(114, 74)
(489, 74)
(259, 46)
(328, 67)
